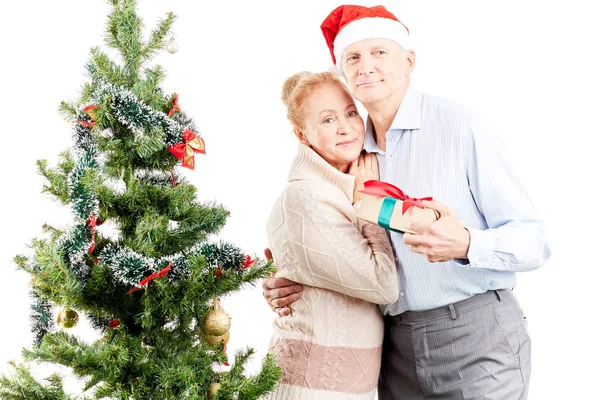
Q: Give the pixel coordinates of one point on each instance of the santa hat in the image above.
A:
(350, 24)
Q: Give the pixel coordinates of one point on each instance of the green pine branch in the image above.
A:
(68, 110)
(87, 92)
(156, 40)
(124, 34)
(144, 213)
(263, 383)
(58, 183)
(107, 68)
(23, 386)
(51, 277)
(235, 385)
(148, 89)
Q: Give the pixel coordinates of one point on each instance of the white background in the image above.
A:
(530, 67)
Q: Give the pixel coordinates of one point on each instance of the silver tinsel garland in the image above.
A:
(127, 266)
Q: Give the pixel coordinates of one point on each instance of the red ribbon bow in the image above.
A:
(92, 225)
(226, 363)
(248, 262)
(175, 105)
(185, 151)
(383, 189)
(147, 280)
(89, 110)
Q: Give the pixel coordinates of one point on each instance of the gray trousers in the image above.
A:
(478, 348)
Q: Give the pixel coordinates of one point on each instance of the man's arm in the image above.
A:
(515, 239)
(280, 293)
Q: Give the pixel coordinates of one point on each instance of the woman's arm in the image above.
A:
(323, 246)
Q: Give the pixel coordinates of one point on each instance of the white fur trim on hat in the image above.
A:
(369, 28)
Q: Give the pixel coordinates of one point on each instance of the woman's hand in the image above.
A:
(364, 168)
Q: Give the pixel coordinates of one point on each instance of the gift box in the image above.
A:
(387, 206)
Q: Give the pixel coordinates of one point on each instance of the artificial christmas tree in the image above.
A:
(152, 285)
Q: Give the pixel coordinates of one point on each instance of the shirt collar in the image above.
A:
(408, 116)
(409, 112)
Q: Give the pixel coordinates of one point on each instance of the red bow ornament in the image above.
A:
(175, 105)
(92, 225)
(185, 151)
(383, 189)
(226, 363)
(91, 112)
(218, 272)
(248, 262)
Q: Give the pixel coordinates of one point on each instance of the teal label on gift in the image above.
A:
(385, 213)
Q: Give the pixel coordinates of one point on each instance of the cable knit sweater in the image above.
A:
(330, 345)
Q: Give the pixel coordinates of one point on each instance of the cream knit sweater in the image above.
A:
(330, 345)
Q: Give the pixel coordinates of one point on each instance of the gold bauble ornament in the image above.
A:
(215, 340)
(216, 322)
(67, 318)
(212, 390)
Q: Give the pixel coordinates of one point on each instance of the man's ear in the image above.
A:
(410, 58)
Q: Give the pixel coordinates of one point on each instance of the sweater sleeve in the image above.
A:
(329, 247)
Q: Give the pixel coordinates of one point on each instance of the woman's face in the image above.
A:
(333, 127)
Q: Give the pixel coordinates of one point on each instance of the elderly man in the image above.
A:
(457, 331)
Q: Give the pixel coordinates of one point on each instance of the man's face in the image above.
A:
(376, 69)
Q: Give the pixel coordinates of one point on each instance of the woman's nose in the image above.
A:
(343, 127)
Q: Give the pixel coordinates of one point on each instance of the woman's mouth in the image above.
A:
(346, 142)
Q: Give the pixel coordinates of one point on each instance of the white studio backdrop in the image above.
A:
(530, 67)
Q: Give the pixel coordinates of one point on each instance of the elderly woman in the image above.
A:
(330, 346)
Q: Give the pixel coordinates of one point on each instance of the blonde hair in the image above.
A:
(298, 88)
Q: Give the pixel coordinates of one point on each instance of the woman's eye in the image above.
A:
(328, 120)
(352, 114)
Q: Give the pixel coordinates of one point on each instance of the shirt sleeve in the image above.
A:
(330, 248)
(515, 238)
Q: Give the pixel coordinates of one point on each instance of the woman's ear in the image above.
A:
(301, 137)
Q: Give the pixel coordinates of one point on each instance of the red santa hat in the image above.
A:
(350, 24)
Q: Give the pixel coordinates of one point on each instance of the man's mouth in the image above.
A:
(369, 83)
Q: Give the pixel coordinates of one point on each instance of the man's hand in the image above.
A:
(444, 240)
(280, 292)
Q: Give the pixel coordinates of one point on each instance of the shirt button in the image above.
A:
(401, 294)
(396, 259)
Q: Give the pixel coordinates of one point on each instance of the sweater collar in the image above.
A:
(308, 165)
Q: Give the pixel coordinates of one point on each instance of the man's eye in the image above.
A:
(352, 114)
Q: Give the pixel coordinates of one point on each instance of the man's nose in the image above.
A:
(365, 66)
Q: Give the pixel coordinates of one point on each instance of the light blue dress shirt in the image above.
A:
(438, 148)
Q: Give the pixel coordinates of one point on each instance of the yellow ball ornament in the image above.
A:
(216, 322)
(213, 389)
(216, 340)
(67, 318)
